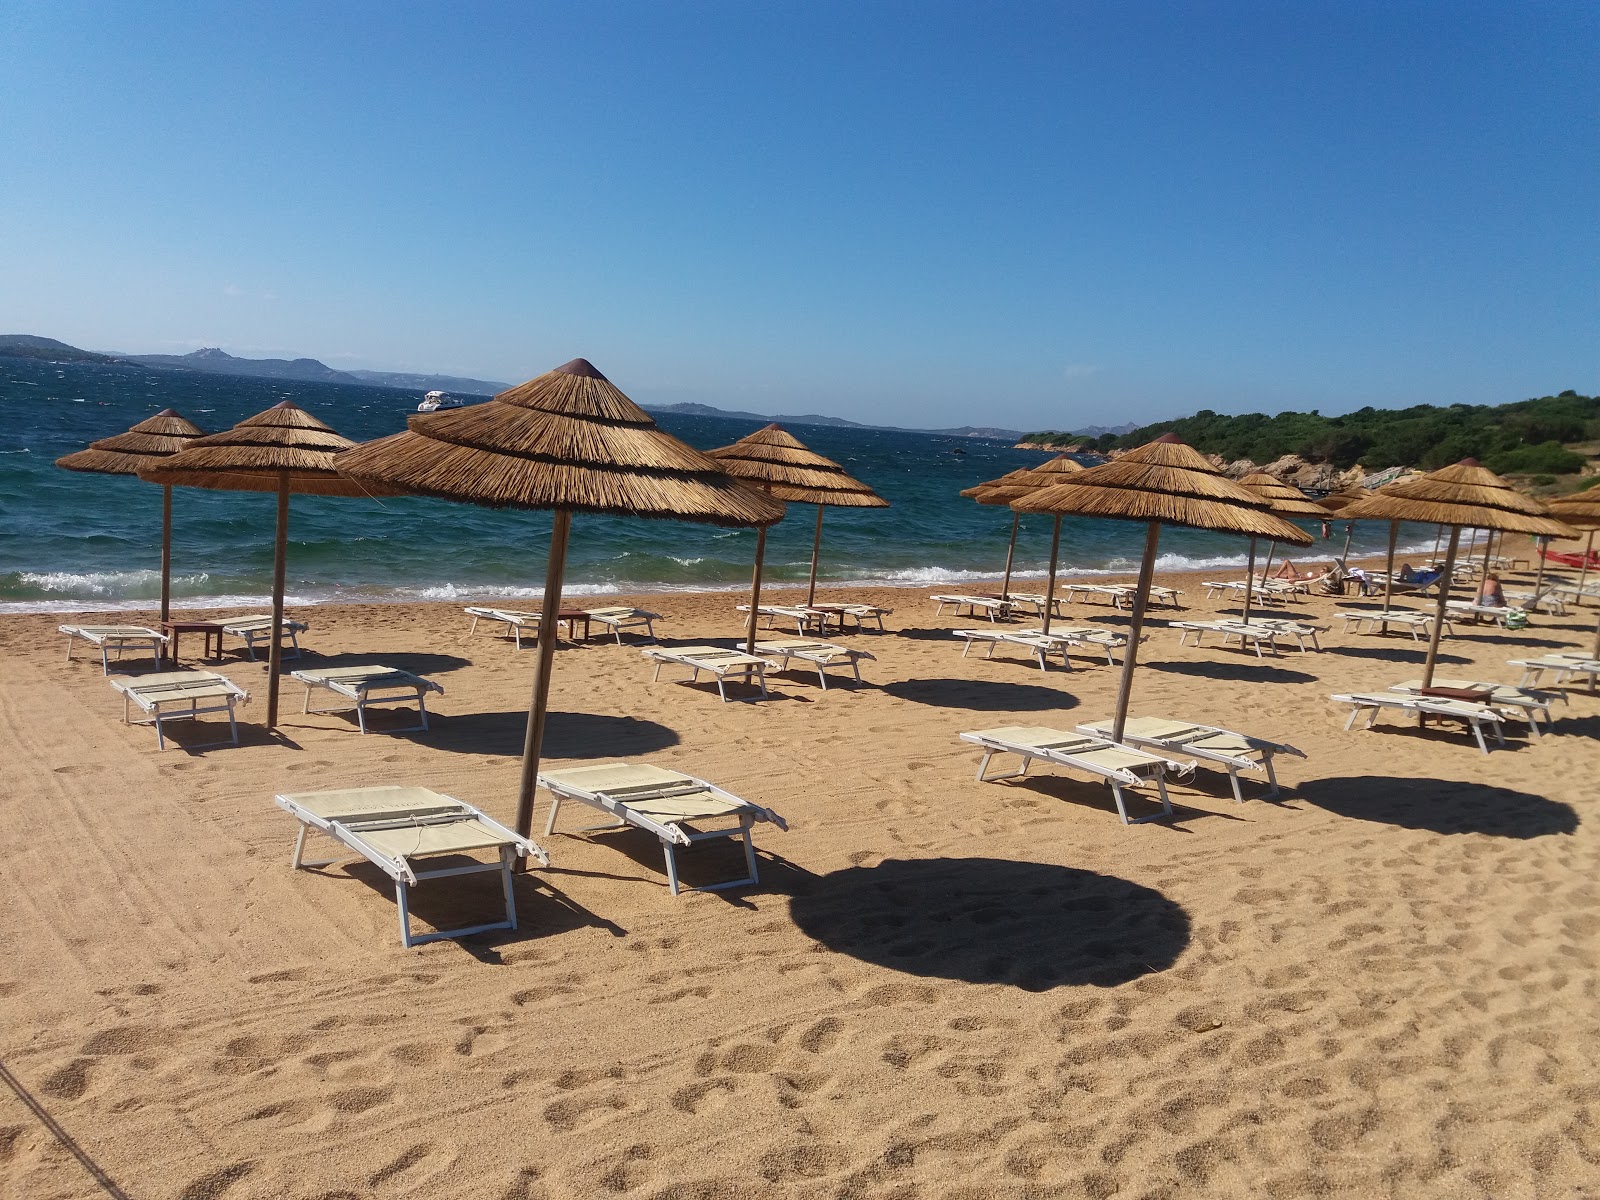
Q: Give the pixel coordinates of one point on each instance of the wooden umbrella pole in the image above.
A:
(1439, 612)
(1388, 571)
(1596, 646)
(1050, 582)
(755, 591)
(816, 551)
(279, 556)
(1249, 581)
(166, 552)
(1130, 656)
(1349, 532)
(1488, 554)
(1583, 572)
(1272, 549)
(1538, 580)
(549, 611)
(1011, 549)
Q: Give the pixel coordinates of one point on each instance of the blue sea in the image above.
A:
(71, 541)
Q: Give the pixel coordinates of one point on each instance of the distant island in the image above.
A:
(218, 362)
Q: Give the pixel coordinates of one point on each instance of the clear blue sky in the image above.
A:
(1031, 215)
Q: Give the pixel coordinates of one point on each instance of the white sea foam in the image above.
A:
(111, 584)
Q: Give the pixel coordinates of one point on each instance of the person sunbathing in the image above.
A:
(1287, 570)
(1419, 578)
(1492, 595)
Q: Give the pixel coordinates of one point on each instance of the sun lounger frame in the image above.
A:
(119, 636)
(995, 610)
(1412, 620)
(251, 629)
(1372, 703)
(1038, 645)
(1192, 741)
(1504, 696)
(819, 654)
(1070, 750)
(1563, 665)
(400, 868)
(718, 660)
(1249, 636)
(359, 691)
(619, 803)
(623, 617)
(152, 692)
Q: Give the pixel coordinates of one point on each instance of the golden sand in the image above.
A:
(1382, 985)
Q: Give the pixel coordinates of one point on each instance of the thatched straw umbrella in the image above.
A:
(1013, 486)
(1465, 496)
(568, 441)
(1282, 498)
(147, 443)
(1581, 510)
(781, 465)
(1164, 481)
(283, 450)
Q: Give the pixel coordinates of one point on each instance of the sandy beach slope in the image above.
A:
(1383, 985)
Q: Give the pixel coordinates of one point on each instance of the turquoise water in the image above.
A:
(73, 541)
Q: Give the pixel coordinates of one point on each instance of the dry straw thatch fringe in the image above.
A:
(1024, 480)
(786, 468)
(1466, 496)
(1165, 481)
(1284, 498)
(567, 439)
(144, 444)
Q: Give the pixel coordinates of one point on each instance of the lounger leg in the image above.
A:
(555, 807)
(422, 710)
(361, 715)
(1272, 776)
(721, 691)
(105, 667)
(506, 858)
(1477, 732)
(1355, 711)
(161, 739)
(1116, 791)
(656, 678)
(233, 725)
(672, 866)
(299, 847)
(745, 822)
(405, 912)
(822, 677)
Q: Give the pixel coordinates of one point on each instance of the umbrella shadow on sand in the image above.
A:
(420, 662)
(1440, 805)
(567, 734)
(980, 695)
(1250, 670)
(1033, 926)
(1417, 654)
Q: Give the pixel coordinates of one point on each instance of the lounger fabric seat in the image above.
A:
(1119, 765)
(1037, 644)
(1120, 595)
(395, 827)
(117, 637)
(1475, 715)
(1252, 636)
(719, 661)
(678, 809)
(620, 617)
(181, 696)
(806, 620)
(1562, 665)
(1494, 612)
(821, 655)
(1210, 744)
(1411, 620)
(516, 621)
(844, 615)
(370, 684)
(258, 628)
(1503, 696)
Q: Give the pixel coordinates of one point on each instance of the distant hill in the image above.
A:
(705, 410)
(26, 345)
(219, 362)
(431, 383)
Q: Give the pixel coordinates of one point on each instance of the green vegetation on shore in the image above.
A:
(1528, 437)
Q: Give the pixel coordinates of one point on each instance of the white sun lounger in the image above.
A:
(718, 660)
(1120, 766)
(1212, 745)
(258, 628)
(819, 654)
(1263, 590)
(843, 614)
(118, 637)
(394, 827)
(1251, 636)
(622, 617)
(1414, 622)
(806, 620)
(1562, 665)
(1120, 595)
(1532, 704)
(181, 696)
(673, 806)
(1036, 600)
(1476, 715)
(515, 620)
(988, 606)
(1302, 631)
(1546, 600)
(1494, 612)
(367, 685)
(1040, 646)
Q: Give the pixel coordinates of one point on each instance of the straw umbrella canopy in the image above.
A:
(1167, 482)
(781, 465)
(1581, 510)
(144, 445)
(1464, 496)
(1282, 498)
(1013, 486)
(283, 450)
(568, 441)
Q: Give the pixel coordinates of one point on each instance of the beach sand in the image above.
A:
(1382, 985)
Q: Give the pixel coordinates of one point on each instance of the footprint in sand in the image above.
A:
(691, 1098)
(400, 1165)
(576, 1112)
(216, 1183)
(68, 1082)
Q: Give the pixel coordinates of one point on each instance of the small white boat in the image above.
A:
(434, 401)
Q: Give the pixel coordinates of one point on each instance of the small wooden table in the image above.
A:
(210, 631)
